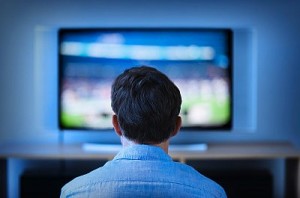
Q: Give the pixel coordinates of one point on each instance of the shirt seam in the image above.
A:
(138, 181)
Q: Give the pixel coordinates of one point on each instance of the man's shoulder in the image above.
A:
(170, 175)
(81, 182)
(191, 177)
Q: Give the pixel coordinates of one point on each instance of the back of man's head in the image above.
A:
(147, 104)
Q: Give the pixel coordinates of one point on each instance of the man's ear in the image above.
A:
(115, 123)
(177, 127)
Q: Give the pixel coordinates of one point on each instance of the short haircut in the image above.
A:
(147, 104)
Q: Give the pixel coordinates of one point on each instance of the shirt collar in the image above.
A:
(143, 152)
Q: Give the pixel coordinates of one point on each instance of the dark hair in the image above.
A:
(147, 104)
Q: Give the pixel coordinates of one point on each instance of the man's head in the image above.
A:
(147, 104)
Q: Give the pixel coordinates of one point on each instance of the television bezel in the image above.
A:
(230, 38)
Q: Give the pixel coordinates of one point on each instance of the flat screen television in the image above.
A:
(198, 60)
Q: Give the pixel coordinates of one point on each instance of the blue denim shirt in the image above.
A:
(143, 171)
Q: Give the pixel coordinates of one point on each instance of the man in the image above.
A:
(146, 106)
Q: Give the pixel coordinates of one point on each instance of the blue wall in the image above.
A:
(266, 89)
(266, 73)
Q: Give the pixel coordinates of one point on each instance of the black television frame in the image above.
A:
(230, 39)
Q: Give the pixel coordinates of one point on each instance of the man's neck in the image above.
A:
(164, 145)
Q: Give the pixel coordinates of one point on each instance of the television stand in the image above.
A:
(188, 147)
(227, 151)
(95, 147)
(114, 148)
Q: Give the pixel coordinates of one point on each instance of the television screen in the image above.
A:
(197, 60)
